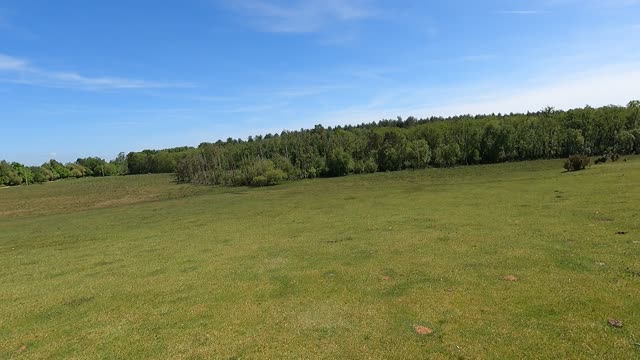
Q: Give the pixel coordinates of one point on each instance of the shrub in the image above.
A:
(270, 178)
(577, 162)
(313, 173)
(601, 160)
(358, 167)
(283, 163)
(259, 181)
(275, 176)
(370, 166)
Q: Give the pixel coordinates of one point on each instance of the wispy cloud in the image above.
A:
(21, 71)
(8, 63)
(599, 87)
(520, 12)
(302, 16)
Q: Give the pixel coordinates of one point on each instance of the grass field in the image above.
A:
(141, 267)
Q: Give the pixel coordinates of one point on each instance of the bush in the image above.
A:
(577, 162)
(370, 166)
(275, 176)
(358, 167)
(601, 160)
(270, 178)
(312, 173)
(259, 181)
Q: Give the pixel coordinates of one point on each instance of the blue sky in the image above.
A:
(81, 78)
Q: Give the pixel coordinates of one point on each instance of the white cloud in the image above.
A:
(8, 63)
(62, 78)
(612, 85)
(26, 74)
(604, 86)
(302, 16)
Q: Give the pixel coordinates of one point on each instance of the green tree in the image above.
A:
(625, 142)
(448, 155)
(339, 163)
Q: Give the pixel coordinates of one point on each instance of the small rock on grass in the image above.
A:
(510, 278)
(423, 330)
(386, 278)
(615, 323)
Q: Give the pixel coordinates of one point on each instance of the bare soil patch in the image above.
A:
(422, 330)
(615, 323)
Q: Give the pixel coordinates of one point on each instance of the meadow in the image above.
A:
(515, 260)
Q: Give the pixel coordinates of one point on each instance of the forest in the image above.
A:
(386, 145)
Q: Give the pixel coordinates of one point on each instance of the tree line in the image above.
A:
(391, 145)
(386, 145)
(14, 173)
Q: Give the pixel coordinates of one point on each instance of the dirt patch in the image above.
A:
(341, 240)
(510, 278)
(422, 330)
(615, 323)
(21, 349)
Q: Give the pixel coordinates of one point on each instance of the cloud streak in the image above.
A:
(8, 63)
(302, 16)
(21, 71)
(599, 87)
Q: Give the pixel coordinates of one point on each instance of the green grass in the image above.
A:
(140, 267)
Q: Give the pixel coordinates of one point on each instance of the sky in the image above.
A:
(94, 78)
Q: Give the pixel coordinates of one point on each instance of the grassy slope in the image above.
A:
(298, 271)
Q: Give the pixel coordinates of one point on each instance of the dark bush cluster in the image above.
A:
(609, 156)
(577, 162)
